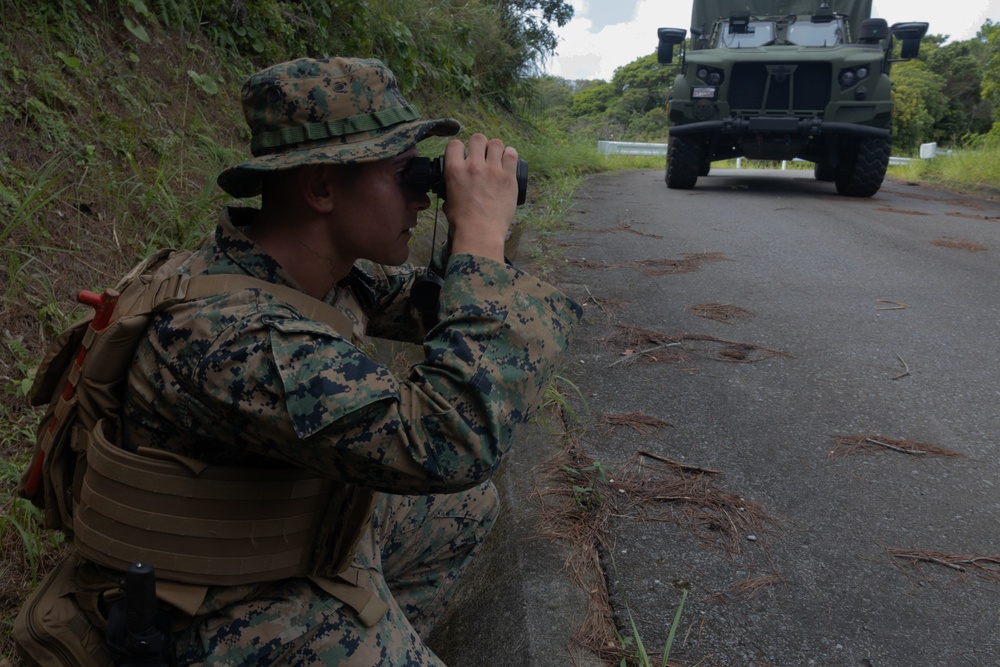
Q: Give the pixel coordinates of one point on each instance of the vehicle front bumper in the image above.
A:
(805, 127)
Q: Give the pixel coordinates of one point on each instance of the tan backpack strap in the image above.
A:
(182, 287)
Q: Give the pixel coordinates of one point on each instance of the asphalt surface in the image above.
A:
(870, 318)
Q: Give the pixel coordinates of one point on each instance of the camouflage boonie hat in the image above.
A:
(335, 110)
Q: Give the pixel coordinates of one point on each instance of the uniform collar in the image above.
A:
(233, 242)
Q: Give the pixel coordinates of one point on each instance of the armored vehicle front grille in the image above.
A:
(790, 87)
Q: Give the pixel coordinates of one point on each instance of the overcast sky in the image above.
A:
(606, 34)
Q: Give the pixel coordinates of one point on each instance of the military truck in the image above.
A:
(785, 79)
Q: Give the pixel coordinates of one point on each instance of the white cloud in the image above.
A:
(584, 54)
(961, 20)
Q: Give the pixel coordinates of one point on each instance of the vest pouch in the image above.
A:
(57, 443)
(52, 628)
(47, 485)
(196, 523)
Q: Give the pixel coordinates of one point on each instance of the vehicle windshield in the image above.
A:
(797, 33)
(803, 33)
(758, 33)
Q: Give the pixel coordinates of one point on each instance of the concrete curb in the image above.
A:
(516, 606)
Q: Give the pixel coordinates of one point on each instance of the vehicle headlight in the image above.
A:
(862, 72)
(846, 78)
(710, 75)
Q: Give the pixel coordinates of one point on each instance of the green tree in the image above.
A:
(644, 84)
(531, 22)
(593, 100)
(554, 93)
(989, 34)
(961, 65)
(651, 126)
(918, 94)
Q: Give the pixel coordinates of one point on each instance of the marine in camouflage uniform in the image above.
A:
(243, 379)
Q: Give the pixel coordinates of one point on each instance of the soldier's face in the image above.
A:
(376, 212)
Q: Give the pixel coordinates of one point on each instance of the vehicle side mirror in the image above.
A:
(669, 38)
(910, 34)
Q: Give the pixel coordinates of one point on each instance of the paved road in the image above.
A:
(885, 312)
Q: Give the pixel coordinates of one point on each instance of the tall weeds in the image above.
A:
(972, 168)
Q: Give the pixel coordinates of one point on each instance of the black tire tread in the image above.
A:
(861, 174)
(683, 163)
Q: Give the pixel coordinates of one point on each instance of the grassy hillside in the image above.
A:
(109, 151)
(116, 117)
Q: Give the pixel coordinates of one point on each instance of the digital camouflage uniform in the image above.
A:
(243, 379)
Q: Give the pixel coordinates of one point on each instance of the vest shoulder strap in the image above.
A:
(182, 287)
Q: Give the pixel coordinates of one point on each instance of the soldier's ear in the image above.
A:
(316, 187)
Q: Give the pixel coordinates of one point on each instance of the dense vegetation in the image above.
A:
(116, 115)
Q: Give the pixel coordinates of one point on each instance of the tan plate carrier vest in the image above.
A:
(199, 525)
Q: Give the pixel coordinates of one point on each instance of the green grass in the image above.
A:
(24, 221)
(632, 643)
(22, 537)
(23, 542)
(970, 169)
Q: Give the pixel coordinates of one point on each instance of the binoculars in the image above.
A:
(427, 175)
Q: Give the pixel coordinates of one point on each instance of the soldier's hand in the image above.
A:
(482, 195)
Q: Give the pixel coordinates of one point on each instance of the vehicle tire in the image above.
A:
(706, 166)
(862, 166)
(825, 172)
(683, 162)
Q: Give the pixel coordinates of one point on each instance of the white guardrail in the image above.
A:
(638, 148)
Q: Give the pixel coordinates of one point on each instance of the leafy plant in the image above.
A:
(136, 29)
(22, 519)
(588, 484)
(20, 386)
(555, 398)
(205, 82)
(21, 532)
(72, 62)
(633, 643)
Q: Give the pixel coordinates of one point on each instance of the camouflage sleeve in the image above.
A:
(448, 424)
(393, 316)
(238, 377)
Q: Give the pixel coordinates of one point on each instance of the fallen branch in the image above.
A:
(906, 369)
(986, 565)
(915, 452)
(640, 353)
(628, 338)
(677, 464)
(845, 445)
(594, 299)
